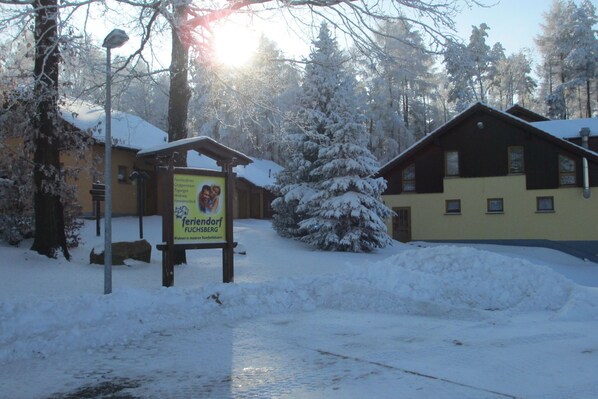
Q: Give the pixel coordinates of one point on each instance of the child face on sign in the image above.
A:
(215, 191)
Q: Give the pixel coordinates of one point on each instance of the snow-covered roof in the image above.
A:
(568, 128)
(127, 130)
(261, 172)
(201, 144)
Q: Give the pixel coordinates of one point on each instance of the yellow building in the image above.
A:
(129, 135)
(489, 176)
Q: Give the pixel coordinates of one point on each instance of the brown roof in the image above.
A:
(203, 145)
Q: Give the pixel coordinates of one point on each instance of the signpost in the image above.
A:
(199, 216)
(98, 194)
(198, 203)
(140, 178)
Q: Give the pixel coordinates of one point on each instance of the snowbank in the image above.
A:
(437, 281)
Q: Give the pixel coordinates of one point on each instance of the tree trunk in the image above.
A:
(588, 102)
(180, 94)
(49, 215)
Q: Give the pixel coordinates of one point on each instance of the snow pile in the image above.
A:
(433, 281)
(469, 278)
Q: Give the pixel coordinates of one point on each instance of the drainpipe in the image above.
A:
(584, 132)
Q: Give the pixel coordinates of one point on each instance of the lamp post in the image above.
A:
(115, 39)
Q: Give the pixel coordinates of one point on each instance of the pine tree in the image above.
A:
(345, 211)
(306, 132)
(335, 201)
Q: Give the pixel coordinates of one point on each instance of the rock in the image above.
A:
(138, 250)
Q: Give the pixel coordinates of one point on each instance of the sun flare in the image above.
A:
(234, 44)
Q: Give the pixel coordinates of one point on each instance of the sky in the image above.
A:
(514, 23)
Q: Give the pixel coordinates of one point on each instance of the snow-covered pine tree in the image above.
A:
(306, 132)
(291, 186)
(343, 208)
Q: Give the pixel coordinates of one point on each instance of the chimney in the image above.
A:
(584, 132)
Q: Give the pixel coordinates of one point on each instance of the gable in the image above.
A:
(482, 136)
(525, 114)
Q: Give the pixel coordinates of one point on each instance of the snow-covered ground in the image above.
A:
(408, 321)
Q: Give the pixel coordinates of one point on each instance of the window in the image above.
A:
(451, 165)
(516, 164)
(409, 178)
(545, 204)
(495, 205)
(453, 206)
(567, 175)
(122, 174)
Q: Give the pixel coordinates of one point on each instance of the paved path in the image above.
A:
(324, 354)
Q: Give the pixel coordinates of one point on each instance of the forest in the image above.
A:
(411, 73)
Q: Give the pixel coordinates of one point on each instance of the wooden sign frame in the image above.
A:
(168, 246)
(226, 158)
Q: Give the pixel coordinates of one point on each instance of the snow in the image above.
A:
(127, 130)
(568, 128)
(261, 172)
(415, 321)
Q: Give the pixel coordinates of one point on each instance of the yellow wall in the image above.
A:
(574, 218)
(124, 195)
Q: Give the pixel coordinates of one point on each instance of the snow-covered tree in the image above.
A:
(244, 107)
(293, 184)
(338, 202)
(582, 60)
(472, 68)
(568, 46)
(306, 132)
(398, 82)
(512, 82)
(345, 212)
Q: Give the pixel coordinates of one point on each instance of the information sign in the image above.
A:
(199, 203)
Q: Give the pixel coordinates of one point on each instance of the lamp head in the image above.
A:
(115, 39)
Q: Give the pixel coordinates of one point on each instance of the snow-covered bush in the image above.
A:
(16, 198)
(17, 189)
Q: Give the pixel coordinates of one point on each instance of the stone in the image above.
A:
(139, 250)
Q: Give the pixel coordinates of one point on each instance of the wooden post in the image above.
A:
(97, 204)
(167, 225)
(98, 193)
(141, 202)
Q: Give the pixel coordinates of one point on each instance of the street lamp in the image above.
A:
(115, 39)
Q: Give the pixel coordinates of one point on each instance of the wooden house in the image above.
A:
(491, 176)
(129, 135)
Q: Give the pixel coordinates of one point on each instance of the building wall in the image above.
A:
(124, 191)
(574, 218)
(483, 152)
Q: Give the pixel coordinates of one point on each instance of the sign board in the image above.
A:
(98, 192)
(199, 207)
(197, 222)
